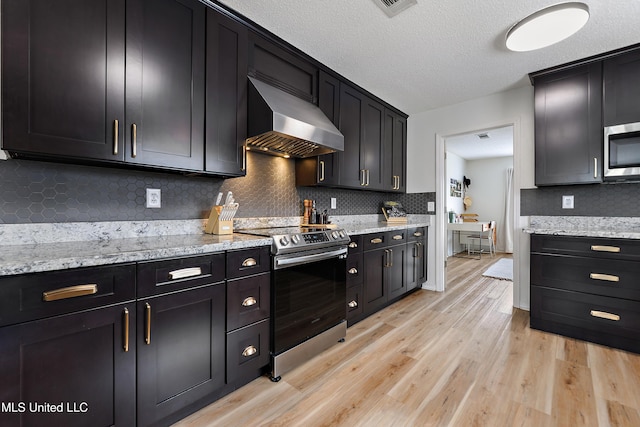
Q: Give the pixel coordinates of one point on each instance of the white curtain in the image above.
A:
(507, 231)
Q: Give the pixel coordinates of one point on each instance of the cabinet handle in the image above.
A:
(605, 315)
(115, 137)
(126, 330)
(353, 270)
(417, 234)
(249, 351)
(353, 245)
(368, 176)
(398, 237)
(398, 183)
(134, 140)
(420, 250)
(249, 301)
(244, 158)
(362, 177)
(605, 277)
(595, 167)
(321, 170)
(376, 240)
(599, 248)
(70, 292)
(390, 257)
(249, 262)
(183, 273)
(352, 304)
(147, 329)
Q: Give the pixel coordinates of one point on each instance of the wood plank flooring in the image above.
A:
(463, 357)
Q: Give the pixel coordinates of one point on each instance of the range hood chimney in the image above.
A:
(284, 125)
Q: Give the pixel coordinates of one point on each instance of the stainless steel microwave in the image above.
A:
(622, 152)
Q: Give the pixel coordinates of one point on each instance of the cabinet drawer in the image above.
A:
(158, 277)
(247, 350)
(604, 320)
(354, 269)
(625, 249)
(355, 245)
(245, 262)
(415, 234)
(35, 296)
(248, 300)
(397, 237)
(354, 302)
(374, 241)
(590, 275)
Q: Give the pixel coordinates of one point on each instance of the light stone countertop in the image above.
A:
(606, 227)
(32, 248)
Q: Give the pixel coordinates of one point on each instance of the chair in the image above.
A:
(489, 237)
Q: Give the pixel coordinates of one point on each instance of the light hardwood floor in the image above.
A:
(459, 358)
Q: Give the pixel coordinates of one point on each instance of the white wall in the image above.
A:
(427, 129)
(487, 190)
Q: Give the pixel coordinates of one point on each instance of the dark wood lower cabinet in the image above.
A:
(397, 269)
(181, 350)
(78, 365)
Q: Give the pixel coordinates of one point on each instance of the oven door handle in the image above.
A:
(305, 259)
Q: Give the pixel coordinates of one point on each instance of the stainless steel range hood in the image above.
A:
(285, 125)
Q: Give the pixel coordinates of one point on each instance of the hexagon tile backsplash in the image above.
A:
(43, 192)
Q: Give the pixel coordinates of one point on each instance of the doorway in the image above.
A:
(443, 188)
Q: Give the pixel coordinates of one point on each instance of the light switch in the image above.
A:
(567, 202)
(431, 206)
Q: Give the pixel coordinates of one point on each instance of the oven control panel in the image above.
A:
(308, 240)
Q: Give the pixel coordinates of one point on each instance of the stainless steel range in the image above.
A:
(308, 293)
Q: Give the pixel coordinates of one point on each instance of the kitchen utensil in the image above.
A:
(228, 199)
(219, 199)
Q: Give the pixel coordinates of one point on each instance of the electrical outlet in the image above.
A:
(567, 202)
(153, 198)
(333, 203)
(431, 206)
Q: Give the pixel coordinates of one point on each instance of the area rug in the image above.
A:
(503, 269)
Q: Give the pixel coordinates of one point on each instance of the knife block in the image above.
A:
(215, 225)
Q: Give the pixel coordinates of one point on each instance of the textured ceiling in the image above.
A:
(438, 52)
(470, 147)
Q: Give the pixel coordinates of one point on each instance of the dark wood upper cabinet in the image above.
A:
(63, 77)
(165, 83)
(351, 125)
(395, 151)
(568, 126)
(226, 95)
(622, 89)
(372, 145)
(277, 66)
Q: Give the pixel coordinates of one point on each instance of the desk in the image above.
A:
(471, 227)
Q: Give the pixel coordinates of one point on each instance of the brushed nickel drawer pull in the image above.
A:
(321, 170)
(134, 140)
(398, 237)
(353, 270)
(126, 330)
(600, 248)
(605, 315)
(249, 351)
(605, 277)
(417, 234)
(147, 329)
(183, 273)
(115, 137)
(376, 240)
(352, 304)
(249, 262)
(353, 245)
(249, 301)
(70, 292)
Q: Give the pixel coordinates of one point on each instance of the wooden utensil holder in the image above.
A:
(215, 225)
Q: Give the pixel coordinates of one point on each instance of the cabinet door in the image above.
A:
(395, 151)
(63, 77)
(181, 350)
(165, 83)
(397, 268)
(622, 89)
(568, 126)
(329, 103)
(226, 95)
(371, 148)
(375, 280)
(351, 125)
(81, 361)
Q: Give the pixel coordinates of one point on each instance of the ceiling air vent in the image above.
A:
(394, 7)
(483, 135)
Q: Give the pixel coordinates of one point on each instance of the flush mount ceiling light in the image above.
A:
(547, 26)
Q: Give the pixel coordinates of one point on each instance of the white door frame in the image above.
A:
(441, 217)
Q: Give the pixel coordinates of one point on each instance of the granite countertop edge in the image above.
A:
(36, 258)
(612, 234)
